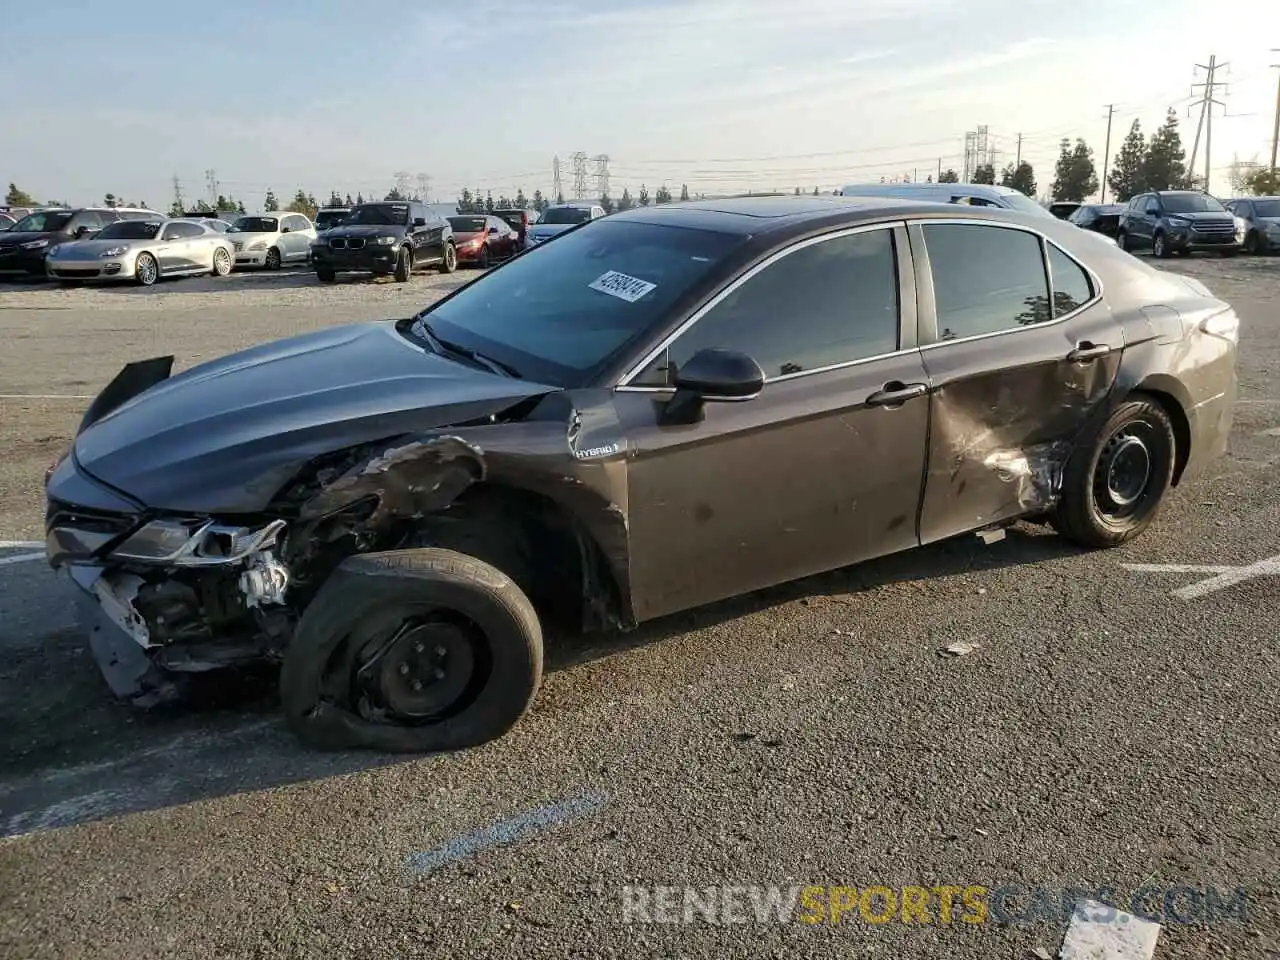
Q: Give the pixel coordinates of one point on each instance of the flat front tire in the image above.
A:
(412, 651)
(1116, 478)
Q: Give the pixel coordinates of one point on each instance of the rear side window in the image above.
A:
(1072, 287)
(828, 303)
(985, 279)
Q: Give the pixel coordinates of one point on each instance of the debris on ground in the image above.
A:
(962, 648)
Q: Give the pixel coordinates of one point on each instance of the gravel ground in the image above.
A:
(1103, 734)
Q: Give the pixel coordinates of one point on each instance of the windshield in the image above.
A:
(565, 215)
(560, 313)
(1191, 203)
(255, 225)
(1267, 208)
(47, 221)
(129, 230)
(328, 218)
(467, 224)
(385, 214)
(1024, 204)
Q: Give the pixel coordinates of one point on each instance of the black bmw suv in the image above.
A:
(391, 237)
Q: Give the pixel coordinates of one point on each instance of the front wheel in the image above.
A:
(146, 271)
(1116, 478)
(325, 275)
(1160, 246)
(1251, 242)
(273, 258)
(221, 263)
(412, 651)
(450, 261)
(1122, 241)
(483, 261)
(404, 265)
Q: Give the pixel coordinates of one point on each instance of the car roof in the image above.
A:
(977, 189)
(575, 205)
(757, 215)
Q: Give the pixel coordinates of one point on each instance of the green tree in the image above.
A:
(522, 202)
(948, 176)
(269, 203)
(642, 198)
(1020, 177)
(466, 203)
(560, 196)
(539, 203)
(606, 201)
(1162, 166)
(349, 201)
(684, 192)
(984, 173)
(1263, 182)
(19, 198)
(304, 204)
(488, 201)
(240, 207)
(224, 202)
(202, 206)
(335, 199)
(797, 193)
(175, 208)
(663, 195)
(394, 194)
(625, 202)
(359, 198)
(1075, 177)
(110, 200)
(1128, 174)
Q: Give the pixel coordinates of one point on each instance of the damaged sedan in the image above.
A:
(664, 408)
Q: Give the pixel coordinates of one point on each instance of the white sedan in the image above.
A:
(272, 240)
(142, 251)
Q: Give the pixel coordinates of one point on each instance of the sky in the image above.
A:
(723, 95)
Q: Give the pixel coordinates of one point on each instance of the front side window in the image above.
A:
(826, 303)
(985, 279)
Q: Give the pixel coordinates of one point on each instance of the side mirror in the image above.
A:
(419, 221)
(83, 231)
(716, 376)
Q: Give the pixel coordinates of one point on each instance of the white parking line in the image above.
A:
(45, 396)
(19, 544)
(21, 558)
(1098, 932)
(1221, 576)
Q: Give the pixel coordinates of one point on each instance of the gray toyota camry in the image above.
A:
(662, 409)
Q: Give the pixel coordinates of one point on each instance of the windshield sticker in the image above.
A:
(619, 285)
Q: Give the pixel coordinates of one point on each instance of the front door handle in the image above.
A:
(896, 393)
(1086, 351)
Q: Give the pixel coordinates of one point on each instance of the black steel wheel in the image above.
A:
(273, 259)
(412, 651)
(1117, 478)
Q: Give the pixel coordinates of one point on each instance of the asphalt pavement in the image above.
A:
(1104, 726)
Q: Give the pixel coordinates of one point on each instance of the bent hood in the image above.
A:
(226, 436)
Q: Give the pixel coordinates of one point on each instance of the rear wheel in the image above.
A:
(146, 271)
(450, 261)
(412, 651)
(1116, 479)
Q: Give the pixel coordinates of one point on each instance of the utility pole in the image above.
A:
(1017, 163)
(1207, 103)
(1106, 152)
(939, 169)
(177, 193)
(556, 187)
(1275, 132)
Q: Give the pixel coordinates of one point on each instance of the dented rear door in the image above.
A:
(1020, 348)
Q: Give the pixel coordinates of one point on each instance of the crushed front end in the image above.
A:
(163, 597)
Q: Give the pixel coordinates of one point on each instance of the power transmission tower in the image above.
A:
(177, 193)
(602, 174)
(978, 152)
(424, 188)
(1106, 152)
(211, 183)
(556, 187)
(1275, 133)
(579, 175)
(1207, 103)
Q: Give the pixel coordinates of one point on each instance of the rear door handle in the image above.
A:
(896, 393)
(1086, 351)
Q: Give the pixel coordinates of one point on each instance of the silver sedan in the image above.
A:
(143, 251)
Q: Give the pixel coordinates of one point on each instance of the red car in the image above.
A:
(482, 238)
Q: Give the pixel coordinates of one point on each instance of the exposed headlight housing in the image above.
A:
(174, 543)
